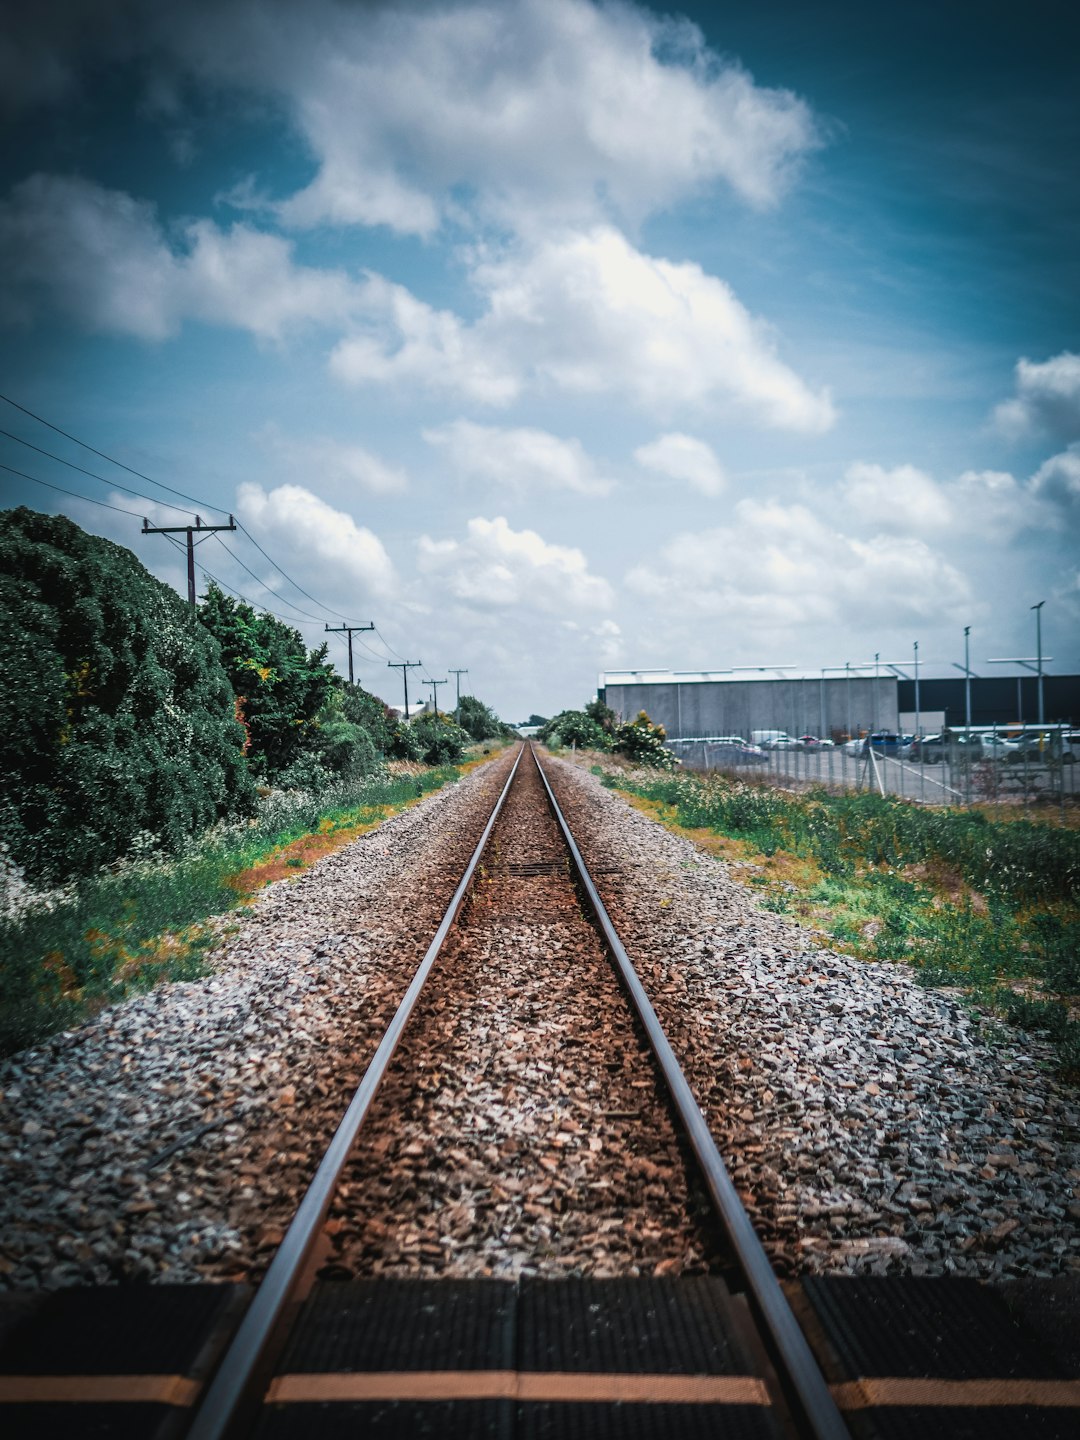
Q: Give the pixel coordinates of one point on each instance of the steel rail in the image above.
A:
(804, 1384)
(231, 1389)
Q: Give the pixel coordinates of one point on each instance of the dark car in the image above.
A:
(929, 749)
(886, 742)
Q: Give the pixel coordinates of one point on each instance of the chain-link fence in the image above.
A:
(1032, 767)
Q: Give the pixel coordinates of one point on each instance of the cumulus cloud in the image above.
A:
(902, 499)
(523, 459)
(1057, 481)
(1047, 398)
(588, 314)
(324, 544)
(402, 340)
(495, 568)
(591, 314)
(536, 108)
(783, 567)
(684, 458)
(102, 257)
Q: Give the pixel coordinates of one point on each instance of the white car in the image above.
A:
(995, 747)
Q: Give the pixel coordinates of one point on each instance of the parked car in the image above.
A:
(855, 746)
(811, 742)
(733, 751)
(925, 749)
(887, 742)
(783, 742)
(995, 747)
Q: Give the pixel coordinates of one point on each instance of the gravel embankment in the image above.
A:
(267, 1049)
(869, 1125)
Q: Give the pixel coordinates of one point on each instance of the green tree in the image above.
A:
(117, 719)
(280, 686)
(574, 727)
(480, 720)
(441, 742)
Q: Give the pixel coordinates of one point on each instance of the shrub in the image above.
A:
(643, 743)
(116, 715)
(574, 727)
(441, 741)
(282, 687)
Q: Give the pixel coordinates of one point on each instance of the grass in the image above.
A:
(65, 956)
(986, 905)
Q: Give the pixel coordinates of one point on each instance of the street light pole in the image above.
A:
(967, 679)
(1038, 651)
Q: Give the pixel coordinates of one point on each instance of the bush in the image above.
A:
(441, 742)
(642, 742)
(116, 714)
(574, 727)
(280, 687)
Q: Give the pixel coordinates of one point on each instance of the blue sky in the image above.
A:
(557, 337)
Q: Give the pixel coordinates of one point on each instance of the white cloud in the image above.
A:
(102, 257)
(523, 459)
(994, 504)
(340, 466)
(324, 545)
(682, 457)
(588, 314)
(535, 108)
(782, 568)
(1058, 481)
(903, 499)
(1047, 398)
(495, 568)
(405, 341)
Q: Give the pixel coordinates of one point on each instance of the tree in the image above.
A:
(117, 719)
(441, 742)
(574, 727)
(479, 720)
(281, 688)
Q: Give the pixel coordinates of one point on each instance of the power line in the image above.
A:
(206, 504)
(73, 493)
(112, 461)
(93, 475)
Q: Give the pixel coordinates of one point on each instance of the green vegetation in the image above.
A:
(116, 718)
(598, 728)
(137, 734)
(990, 906)
(67, 954)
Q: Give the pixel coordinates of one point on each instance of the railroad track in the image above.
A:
(524, 1118)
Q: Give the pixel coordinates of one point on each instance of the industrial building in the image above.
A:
(696, 704)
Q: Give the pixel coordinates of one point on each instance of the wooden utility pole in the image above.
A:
(405, 666)
(435, 693)
(190, 531)
(337, 629)
(457, 709)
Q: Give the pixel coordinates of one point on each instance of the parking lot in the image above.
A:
(1026, 779)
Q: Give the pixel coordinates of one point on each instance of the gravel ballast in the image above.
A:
(869, 1125)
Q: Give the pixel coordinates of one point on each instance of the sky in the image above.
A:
(557, 337)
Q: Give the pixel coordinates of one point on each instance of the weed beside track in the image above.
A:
(66, 955)
(990, 906)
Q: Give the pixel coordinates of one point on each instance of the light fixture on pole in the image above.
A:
(1038, 649)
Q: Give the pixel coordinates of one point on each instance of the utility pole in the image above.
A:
(457, 710)
(190, 531)
(1038, 651)
(337, 629)
(435, 693)
(405, 666)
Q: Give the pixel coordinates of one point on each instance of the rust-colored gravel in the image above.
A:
(521, 1128)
